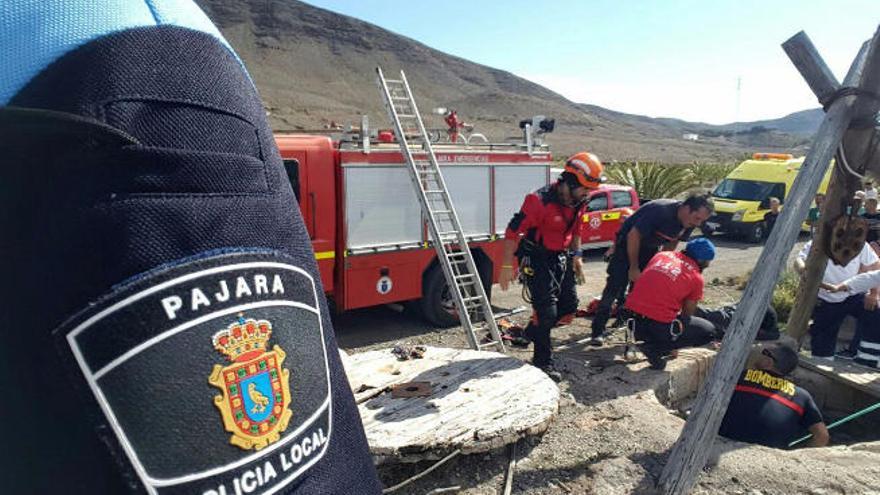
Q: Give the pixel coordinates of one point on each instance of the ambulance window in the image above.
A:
(292, 169)
(598, 202)
(778, 191)
(621, 199)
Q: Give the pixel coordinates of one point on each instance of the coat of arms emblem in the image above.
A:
(256, 392)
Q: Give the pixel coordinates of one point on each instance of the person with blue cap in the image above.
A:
(167, 331)
(664, 299)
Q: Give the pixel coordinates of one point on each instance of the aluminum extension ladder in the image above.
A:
(453, 253)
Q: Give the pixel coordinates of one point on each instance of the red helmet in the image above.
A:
(587, 168)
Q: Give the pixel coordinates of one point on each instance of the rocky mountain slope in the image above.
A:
(314, 67)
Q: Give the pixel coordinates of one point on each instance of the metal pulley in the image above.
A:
(848, 234)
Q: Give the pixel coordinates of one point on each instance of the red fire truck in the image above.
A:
(366, 226)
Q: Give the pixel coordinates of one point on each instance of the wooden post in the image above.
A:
(690, 452)
(813, 69)
(840, 188)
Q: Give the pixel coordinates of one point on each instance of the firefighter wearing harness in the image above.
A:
(663, 301)
(549, 250)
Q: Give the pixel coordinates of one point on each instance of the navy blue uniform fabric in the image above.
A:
(658, 337)
(827, 318)
(657, 222)
(184, 165)
(769, 410)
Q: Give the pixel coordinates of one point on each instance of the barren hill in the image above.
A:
(313, 67)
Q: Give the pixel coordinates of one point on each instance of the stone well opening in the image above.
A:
(835, 398)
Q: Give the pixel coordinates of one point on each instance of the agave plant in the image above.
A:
(653, 180)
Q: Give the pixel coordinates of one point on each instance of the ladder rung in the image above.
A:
(400, 98)
(442, 212)
(488, 344)
(393, 81)
(462, 277)
(434, 191)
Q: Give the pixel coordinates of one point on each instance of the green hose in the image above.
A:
(840, 422)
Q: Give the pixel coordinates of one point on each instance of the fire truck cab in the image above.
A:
(607, 208)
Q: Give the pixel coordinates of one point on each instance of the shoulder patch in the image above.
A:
(210, 376)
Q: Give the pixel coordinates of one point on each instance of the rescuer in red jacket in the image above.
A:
(546, 232)
(664, 298)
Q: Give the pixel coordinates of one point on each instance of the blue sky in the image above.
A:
(672, 58)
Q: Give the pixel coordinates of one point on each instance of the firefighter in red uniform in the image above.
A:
(664, 298)
(549, 250)
(454, 125)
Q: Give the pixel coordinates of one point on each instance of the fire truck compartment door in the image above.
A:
(469, 187)
(512, 183)
(381, 207)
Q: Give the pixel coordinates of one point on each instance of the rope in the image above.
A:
(845, 91)
(841, 157)
(840, 422)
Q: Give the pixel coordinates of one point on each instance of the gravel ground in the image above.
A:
(614, 428)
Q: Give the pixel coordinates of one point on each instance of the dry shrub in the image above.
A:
(785, 293)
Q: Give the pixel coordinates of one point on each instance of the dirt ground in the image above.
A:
(615, 425)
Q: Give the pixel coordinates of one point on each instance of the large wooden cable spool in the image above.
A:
(448, 400)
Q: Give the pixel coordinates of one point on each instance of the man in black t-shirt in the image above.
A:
(657, 225)
(768, 409)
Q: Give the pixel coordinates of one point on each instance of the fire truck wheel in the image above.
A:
(436, 304)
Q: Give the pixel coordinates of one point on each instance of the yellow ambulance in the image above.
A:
(743, 197)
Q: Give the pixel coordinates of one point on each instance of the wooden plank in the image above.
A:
(480, 401)
(852, 375)
(690, 452)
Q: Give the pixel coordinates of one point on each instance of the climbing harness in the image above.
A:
(527, 271)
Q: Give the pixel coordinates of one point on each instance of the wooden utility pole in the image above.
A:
(823, 83)
(690, 452)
